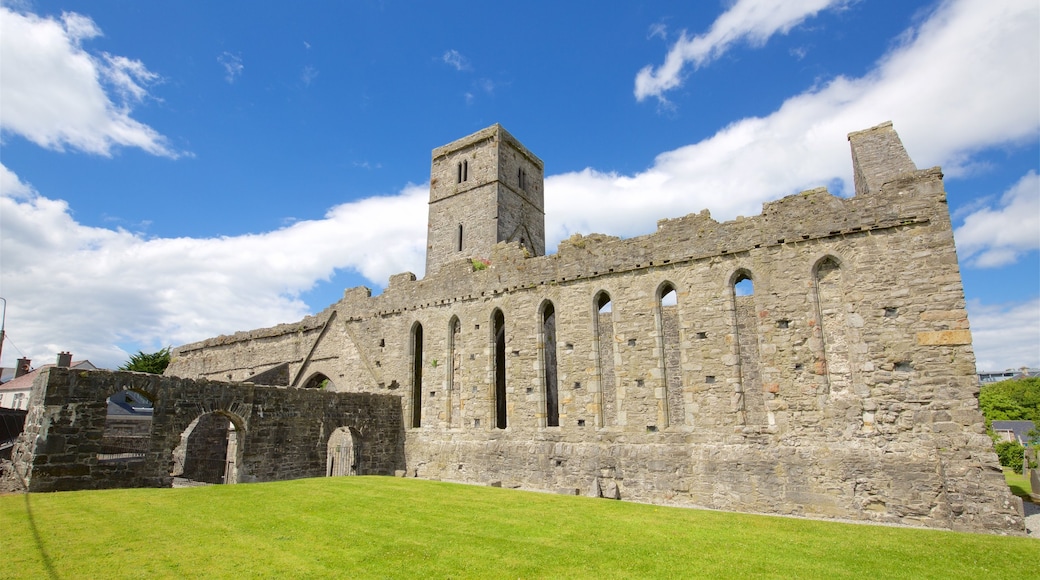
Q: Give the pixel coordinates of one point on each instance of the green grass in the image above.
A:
(380, 527)
(1018, 483)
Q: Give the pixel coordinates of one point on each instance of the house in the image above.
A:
(1013, 430)
(14, 394)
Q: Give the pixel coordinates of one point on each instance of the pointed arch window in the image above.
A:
(417, 369)
(549, 376)
(667, 319)
(603, 351)
(498, 337)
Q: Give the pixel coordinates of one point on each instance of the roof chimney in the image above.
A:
(23, 367)
(64, 360)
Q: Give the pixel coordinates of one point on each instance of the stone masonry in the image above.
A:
(278, 433)
(813, 360)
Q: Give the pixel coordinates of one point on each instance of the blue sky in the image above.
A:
(174, 171)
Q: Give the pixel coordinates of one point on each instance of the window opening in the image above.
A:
(670, 363)
(750, 400)
(552, 402)
(417, 357)
(459, 245)
(454, 366)
(128, 426)
(603, 337)
(830, 312)
(498, 325)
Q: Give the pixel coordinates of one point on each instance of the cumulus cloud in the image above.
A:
(232, 64)
(754, 21)
(966, 78)
(57, 94)
(1005, 335)
(109, 287)
(454, 58)
(996, 236)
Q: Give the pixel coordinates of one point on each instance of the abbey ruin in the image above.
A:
(813, 360)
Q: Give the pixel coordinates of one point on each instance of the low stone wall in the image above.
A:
(920, 486)
(279, 433)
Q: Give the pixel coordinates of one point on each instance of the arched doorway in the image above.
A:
(208, 450)
(344, 453)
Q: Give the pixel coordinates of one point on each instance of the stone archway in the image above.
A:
(208, 450)
(344, 453)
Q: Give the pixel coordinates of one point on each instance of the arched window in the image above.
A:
(319, 381)
(454, 365)
(830, 312)
(751, 402)
(667, 318)
(603, 350)
(465, 170)
(498, 337)
(552, 398)
(417, 368)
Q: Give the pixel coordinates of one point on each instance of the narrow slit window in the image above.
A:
(459, 244)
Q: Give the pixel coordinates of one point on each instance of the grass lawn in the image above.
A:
(1017, 482)
(382, 527)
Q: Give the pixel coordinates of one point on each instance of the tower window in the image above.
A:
(458, 173)
(459, 246)
(465, 170)
(521, 178)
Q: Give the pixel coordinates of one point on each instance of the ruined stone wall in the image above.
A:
(843, 386)
(280, 433)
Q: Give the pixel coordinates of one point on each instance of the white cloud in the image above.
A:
(232, 64)
(966, 78)
(996, 236)
(308, 75)
(1006, 336)
(455, 59)
(752, 20)
(55, 93)
(110, 287)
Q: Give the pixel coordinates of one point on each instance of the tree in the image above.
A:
(154, 363)
(1010, 454)
(1011, 400)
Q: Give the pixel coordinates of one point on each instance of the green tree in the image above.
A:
(154, 363)
(1010, 454)
(1011, 400)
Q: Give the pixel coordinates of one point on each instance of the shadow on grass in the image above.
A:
(51, 572)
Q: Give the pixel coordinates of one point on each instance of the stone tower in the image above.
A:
(484, 189)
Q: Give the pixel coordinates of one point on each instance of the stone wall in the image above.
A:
(279, 433)
(842, 386)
